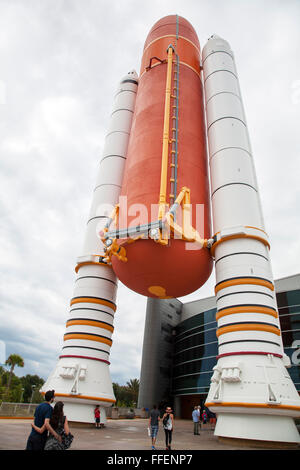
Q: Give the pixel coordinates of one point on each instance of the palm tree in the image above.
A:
(133, 387)
(12, 361)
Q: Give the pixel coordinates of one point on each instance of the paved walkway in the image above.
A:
(123, 434)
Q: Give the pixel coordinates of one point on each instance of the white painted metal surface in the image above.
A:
(251, 390)
(81, 378)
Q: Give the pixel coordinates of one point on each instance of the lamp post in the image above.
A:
(22, 391)
(32, 388)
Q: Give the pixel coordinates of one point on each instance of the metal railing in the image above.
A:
(17, 409)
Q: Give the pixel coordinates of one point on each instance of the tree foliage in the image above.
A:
(19, 389)
(12, 361)
(127, 395)
(23, 389)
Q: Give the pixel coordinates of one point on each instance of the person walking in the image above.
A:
(168, 422)
(196, 420)
(42, 415)
(199, 409)
(97, 416)
(153, 424)
(59, 424)
(212, 420)
(204, 417)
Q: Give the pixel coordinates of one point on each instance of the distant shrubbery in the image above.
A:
(26, 389)
(19, 389)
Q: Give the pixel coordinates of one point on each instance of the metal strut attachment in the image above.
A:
(160, 230)
(111, 246)
(186, 232)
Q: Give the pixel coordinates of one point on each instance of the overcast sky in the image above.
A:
(60, 63)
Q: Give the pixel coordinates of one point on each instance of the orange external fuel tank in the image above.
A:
(166, 152)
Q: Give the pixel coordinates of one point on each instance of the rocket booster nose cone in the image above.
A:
(131, 75)
(216, 44)
(214, 36)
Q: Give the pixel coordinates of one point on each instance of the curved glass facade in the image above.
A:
(289, 315)
(196, 346)
(195, 351)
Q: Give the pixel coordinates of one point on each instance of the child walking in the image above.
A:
(97, 416)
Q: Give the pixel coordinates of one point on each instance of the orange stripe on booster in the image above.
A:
(98, 324)
(93, 300)
(246, 309)
(87, 263)
(256, 228)
(83, 397)
(247, 327)
(240, 235)
(244, 280)
(254, 405)
(87, 337)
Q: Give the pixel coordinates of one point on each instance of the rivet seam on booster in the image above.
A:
(219, 52)
(226, 117)
(98, 217)
(242, 253)
(249, 341)
(231, 184)
(107, 184)
(229, 148)
(95, 309)
(220, 70)
(244, 292)
(121, 109)
(124, 90)
(114, 132)
(87, 347)
(96, 277)
(108, 156)
(224, 93)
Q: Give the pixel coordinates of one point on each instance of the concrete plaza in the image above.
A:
(123, 434)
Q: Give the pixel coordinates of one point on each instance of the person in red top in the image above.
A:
(97, 416)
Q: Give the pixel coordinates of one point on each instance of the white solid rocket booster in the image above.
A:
(251, 390)
(81, 377)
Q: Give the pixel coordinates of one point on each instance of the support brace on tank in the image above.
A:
(160, 231)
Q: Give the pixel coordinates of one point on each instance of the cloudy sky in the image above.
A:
(60, 63)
